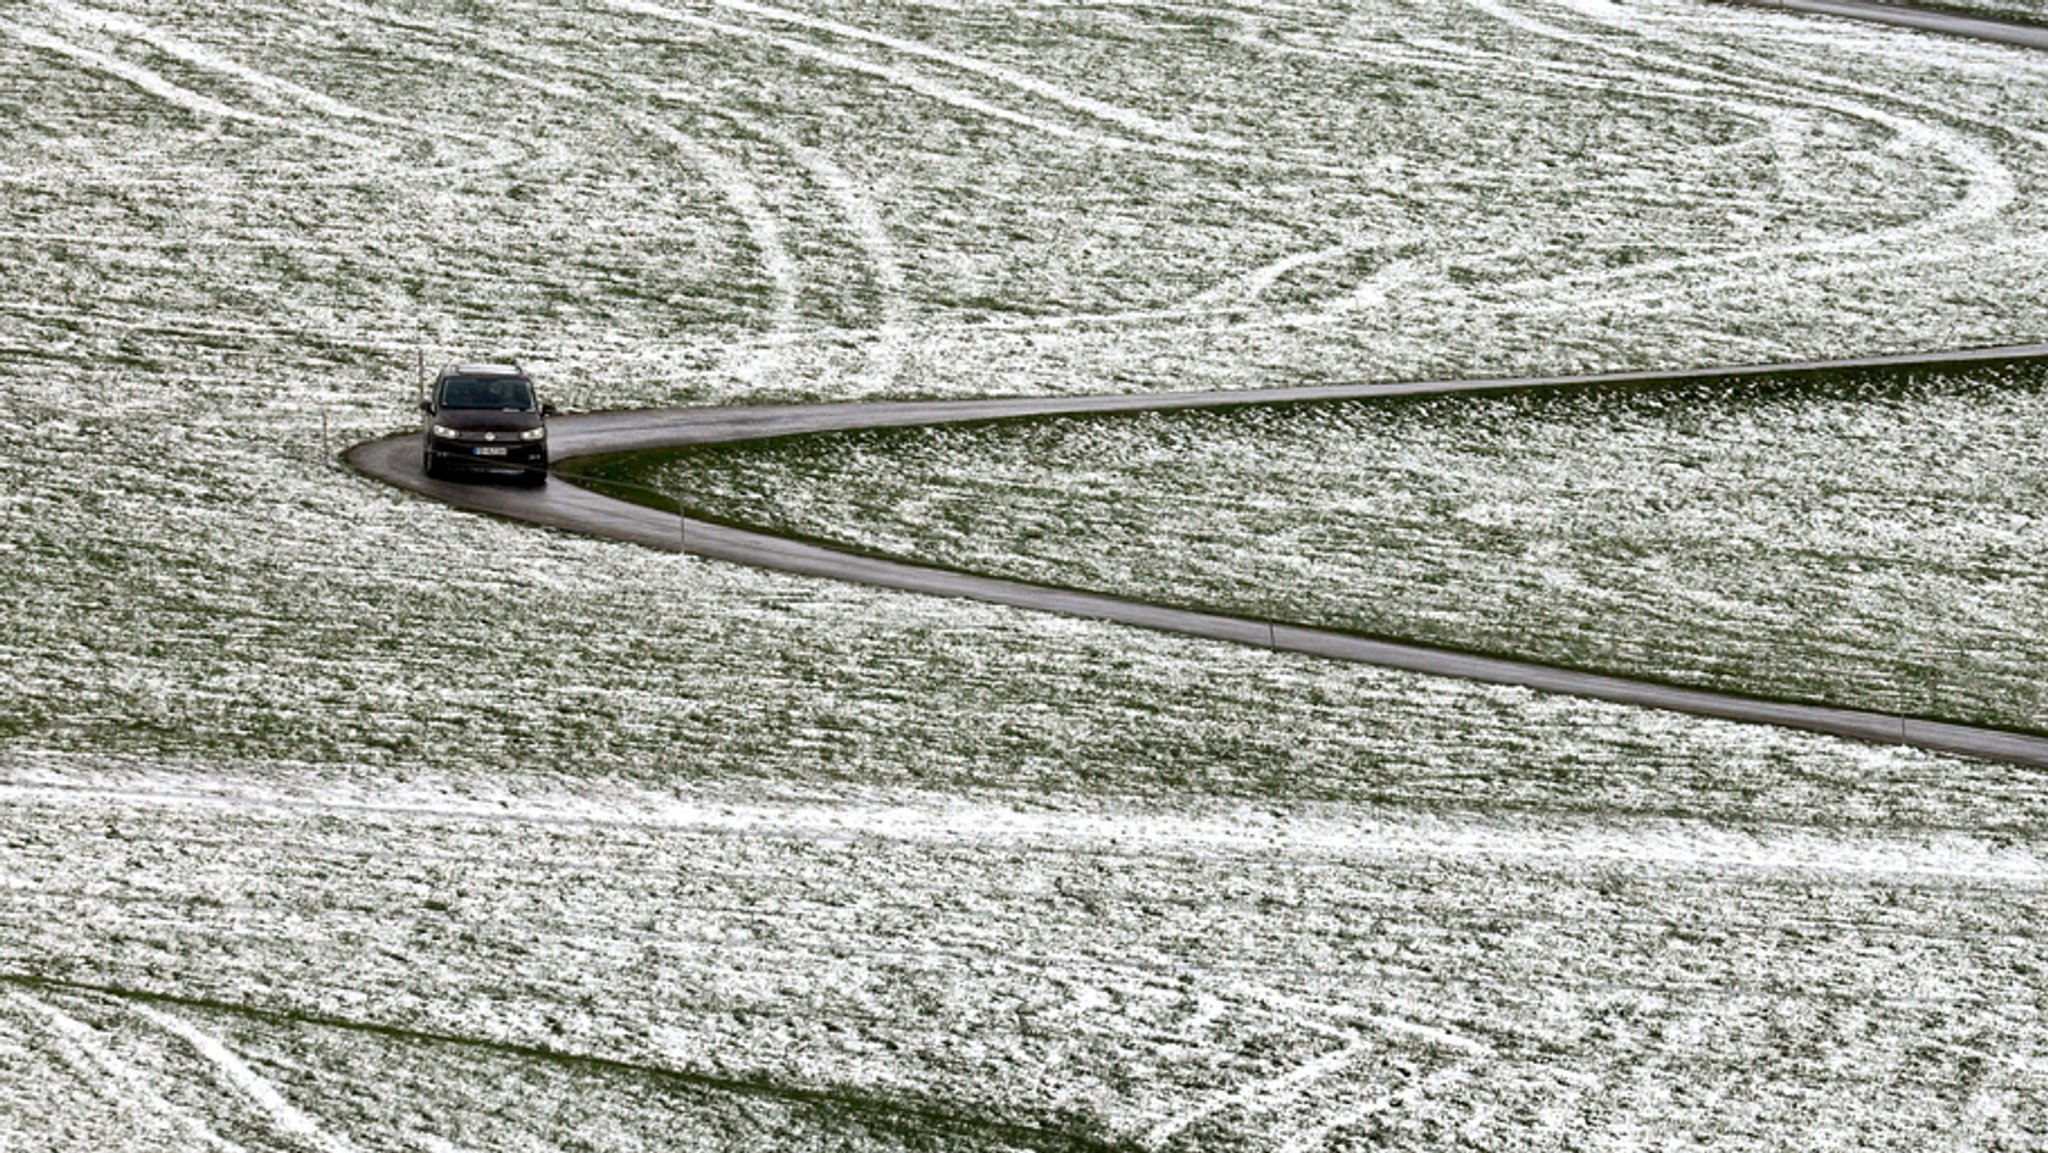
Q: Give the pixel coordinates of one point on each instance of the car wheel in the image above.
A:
(428, 464)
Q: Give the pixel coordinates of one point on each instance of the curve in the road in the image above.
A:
(397, 461)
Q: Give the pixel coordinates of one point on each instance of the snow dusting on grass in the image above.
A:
(334, 819)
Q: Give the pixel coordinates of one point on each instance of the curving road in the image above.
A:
(397, 461)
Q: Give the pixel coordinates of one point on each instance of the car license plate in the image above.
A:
(498, 451)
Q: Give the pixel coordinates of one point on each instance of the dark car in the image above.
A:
(485, 418)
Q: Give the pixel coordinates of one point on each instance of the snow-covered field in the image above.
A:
(333, 819)
(1870, 540)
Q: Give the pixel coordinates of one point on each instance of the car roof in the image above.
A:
(483, 370)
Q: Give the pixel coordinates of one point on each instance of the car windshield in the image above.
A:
(487, 392)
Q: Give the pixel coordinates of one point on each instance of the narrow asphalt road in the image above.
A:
(565, 506)
(1904, 16)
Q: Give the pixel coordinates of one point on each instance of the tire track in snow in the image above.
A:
(879, 252)
(1269, 1093)
(1990, 189)
(1276, 1094)
(120, 1082)
(1987, 196)
(282, 1114)
(800, 934)
(1244, 292)
(1317, 1136)
(274, 89)
(1433, 1038)
(1990, 192)
(921, 1118)
(729, 178)
(736, 186)
(1680, 83)
(1229, 305)
(292, 101)
(898, 76)
(1246, 289)
(136, 75)
(1794, 82)
(871, 234)
(1135, 123)
(494, 153)
(1280, 1009)
(744, 193)
(914, 81)
(1236, 296)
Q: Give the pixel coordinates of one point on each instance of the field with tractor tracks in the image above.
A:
(335, 819)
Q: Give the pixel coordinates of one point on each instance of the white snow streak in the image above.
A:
(286, 1117)
(1274, 1093)
(277, 89)
(909, 80)
(1131, 121)
(292, 101)
(1315, 1137)
(764, 229)
(1245, 291)
(1647, 843)
(878, 249)
(80, 1047)
(1989, 190)
(135, 74)
(1269, 1093)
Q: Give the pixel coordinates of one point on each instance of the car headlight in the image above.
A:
(446, 433)
(533, 434)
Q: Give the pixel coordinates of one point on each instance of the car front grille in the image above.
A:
(468, 437)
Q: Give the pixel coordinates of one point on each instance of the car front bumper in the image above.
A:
(501, 457)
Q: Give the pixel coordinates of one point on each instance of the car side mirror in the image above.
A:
(547, 410)
(427, 406)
